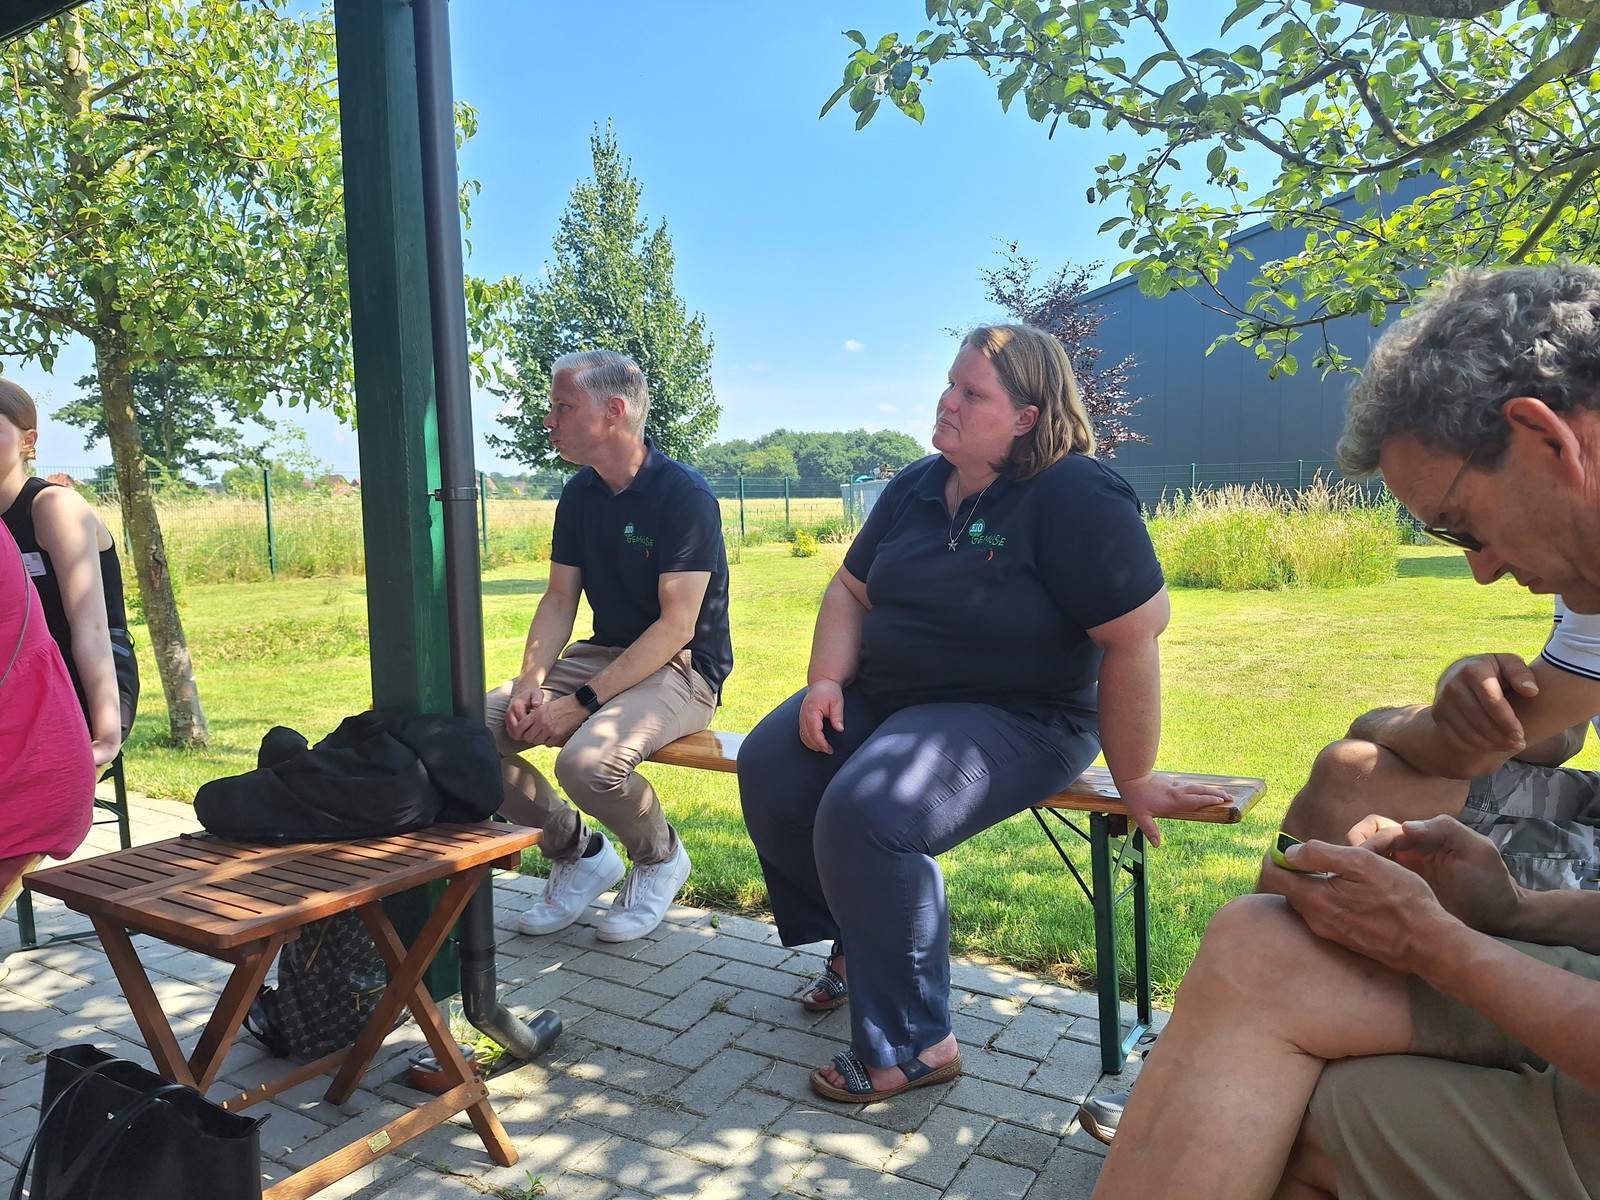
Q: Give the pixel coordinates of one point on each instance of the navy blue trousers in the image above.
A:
(847, 841)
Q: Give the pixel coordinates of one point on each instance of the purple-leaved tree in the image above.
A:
(1057, 306)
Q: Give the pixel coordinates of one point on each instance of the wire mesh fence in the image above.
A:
(268, 528)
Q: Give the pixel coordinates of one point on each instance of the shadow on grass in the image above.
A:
(513, 587)
(1452, 566)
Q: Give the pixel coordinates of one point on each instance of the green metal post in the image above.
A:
(1302, 463)
(392, 341)
(272, 540)
(483, 513)
(786, 521)
(741, 508)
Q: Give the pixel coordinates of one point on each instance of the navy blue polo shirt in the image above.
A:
(1002, 619)
(666, 520)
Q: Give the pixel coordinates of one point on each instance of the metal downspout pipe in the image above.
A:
(458, 492)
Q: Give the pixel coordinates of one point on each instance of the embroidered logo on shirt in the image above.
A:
(979, 538)
(635, 539)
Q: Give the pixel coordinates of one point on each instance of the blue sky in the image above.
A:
(829, 263)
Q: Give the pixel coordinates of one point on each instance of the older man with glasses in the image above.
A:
(1403, 1019)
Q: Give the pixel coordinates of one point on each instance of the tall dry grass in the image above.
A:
(1239, 538)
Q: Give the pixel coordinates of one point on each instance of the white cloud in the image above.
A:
(854, 346)
(889, 409)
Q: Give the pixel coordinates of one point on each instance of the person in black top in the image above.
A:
(640, 536)
(992, 629)
(73, 562)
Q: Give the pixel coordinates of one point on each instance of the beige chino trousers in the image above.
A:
(598, 767)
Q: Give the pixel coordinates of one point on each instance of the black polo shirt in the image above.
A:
(666, 520)
(1003, 618)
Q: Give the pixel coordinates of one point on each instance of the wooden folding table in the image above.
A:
(241, 903)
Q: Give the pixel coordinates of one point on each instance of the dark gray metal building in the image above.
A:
(1219, 418)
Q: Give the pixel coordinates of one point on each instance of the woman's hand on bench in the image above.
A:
(1159, 795)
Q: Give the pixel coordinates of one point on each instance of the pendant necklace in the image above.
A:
(956, 520)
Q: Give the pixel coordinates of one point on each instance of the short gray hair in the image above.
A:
(1441, 373)
(605, 373)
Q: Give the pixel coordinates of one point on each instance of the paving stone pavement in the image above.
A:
(681, 1074)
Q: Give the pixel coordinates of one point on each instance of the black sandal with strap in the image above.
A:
(858, 1087)
(835, 991)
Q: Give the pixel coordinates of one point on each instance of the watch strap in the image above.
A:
(586, 697)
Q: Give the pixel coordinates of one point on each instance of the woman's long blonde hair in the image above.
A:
(1035, 370)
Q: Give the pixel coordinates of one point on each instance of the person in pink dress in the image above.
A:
(47, 769)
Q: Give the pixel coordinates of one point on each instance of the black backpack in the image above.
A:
(329, 981)
(377, 774)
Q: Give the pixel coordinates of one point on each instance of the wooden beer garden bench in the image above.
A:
(240, 903)
(1116, 849)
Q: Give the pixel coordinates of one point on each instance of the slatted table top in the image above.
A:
(215, 894)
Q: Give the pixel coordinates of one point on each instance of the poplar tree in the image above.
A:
(609, 288)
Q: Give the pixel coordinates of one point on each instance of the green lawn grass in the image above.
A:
(1255, 684)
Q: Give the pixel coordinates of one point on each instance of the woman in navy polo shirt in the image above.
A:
(993, 627)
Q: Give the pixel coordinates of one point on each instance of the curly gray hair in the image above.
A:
(1480, 338)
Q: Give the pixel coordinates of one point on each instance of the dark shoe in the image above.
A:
(1098, 1115)
(835, 991)
(858, 1084)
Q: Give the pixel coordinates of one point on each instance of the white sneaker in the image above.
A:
(643, 900)
(573, 885)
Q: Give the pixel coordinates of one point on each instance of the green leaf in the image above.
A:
(855, 36)
(1011, 85)
(1217, 160)
(833, 99)
(1240, 11)
(867, 114)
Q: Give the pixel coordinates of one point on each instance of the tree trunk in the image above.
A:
(186, 720)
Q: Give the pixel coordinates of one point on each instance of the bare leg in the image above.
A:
(1353, 779)
(1219, 1104)
(1309, 1175)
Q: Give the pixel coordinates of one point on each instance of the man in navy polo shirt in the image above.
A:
(640, 536)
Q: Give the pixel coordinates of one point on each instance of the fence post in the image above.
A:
(483, 513)
(272, 538)
(741, 508)
(1302, 463)
(786, 521)
(1194, 478)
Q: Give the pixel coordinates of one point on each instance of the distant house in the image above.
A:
(338, 485)
(63, 479)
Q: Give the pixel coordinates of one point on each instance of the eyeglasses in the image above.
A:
(1442, 533)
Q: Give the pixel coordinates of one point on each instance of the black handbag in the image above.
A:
(111, 1130)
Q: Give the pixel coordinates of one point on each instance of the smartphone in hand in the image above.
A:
(1282, 841)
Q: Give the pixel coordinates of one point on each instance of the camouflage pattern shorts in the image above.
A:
(1546, 821)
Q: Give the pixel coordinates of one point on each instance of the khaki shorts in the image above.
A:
(1545, 820)
(1468, 1114)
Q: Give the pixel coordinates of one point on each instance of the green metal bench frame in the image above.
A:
(117, 806)
(1094, 796)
